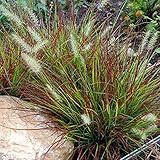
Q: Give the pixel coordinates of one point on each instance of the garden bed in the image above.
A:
(97, 75)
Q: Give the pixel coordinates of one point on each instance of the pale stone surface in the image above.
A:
(26, 135)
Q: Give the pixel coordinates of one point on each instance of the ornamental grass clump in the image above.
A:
(103, 98)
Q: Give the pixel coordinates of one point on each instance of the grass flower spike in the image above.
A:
(145, 41)
(88, 27)
(74, 44)
(53, 92)
(150, 117)
(39, 46)
(32, 16)
(151, 129)
(140, 133)
(34, 35)
(87, 47)
(131, 52)
(105, 31)
(32, 63)
(153, 40)
(25, 47)
(11, 15)
(79, 60)
(86, 119)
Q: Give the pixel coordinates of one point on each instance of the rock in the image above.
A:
(26, 134)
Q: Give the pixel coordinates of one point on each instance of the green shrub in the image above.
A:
(101, 92)
(148, 10)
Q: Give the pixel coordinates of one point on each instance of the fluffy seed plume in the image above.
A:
(88, 27)
(151, 129)
(150, 117)
(86, 119)
(153, 40)
(112, 41)
(39, 46)
(74, 44)
(32, 63)
(77, 55)
(26, 47)
(53, 92)
(11, 15)
(106, 30)
(32, 16)
(131, 52)
(139, 133)
(87, 46)
(34, 34)
(145, 41)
